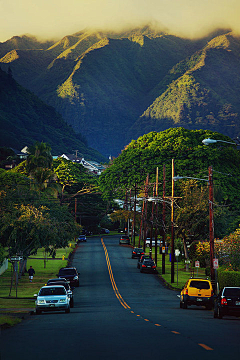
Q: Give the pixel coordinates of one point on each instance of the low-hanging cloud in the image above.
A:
(56, 18)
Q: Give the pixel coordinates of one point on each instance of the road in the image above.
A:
(120, 313)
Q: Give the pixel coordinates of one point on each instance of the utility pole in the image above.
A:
(164, 218)
(172, 226)
(75, 209)
(156, 216)
(142, 216)
(152, 217)
(211, 224)
(134, 214)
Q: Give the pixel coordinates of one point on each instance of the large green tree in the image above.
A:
(191, 158)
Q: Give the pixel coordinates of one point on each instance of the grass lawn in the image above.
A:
(26, 290)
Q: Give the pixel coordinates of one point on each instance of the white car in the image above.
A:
(52, 298)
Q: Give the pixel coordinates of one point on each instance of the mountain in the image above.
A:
(113, 87)
(201, 92)
(24, 119)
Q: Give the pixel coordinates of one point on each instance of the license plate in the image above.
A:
(148, 266)
(237, 302)
(52, 305)
(199, 299)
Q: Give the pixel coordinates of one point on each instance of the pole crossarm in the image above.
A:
(188, 177)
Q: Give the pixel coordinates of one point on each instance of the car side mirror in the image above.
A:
(35, 295)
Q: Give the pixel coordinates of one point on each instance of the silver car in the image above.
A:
(52, 298)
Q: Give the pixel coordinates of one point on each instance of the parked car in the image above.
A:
(81, 238)
(124, 239)
(148, 240)
(227, 302)
(142, 257)
(148, 265)
(65, 283)
(70, 274)
(52, 298)
(197, 292)
(137, 252)
(104, 231)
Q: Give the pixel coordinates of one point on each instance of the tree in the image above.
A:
(39, 156)
(192, 158)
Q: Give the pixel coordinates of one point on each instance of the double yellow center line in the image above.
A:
(121, 300)
(114, 286)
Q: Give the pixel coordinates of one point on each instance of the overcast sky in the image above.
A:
(57, 18)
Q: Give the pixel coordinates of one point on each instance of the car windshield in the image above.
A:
(52, 291)
(67, 272)
(200, 284)
(66, 285)
(232, 292)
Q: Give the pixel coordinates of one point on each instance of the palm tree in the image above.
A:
(39, 156)
(39, 167)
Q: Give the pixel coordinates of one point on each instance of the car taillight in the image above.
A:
(211, 292)
(186, 291)
(143, 265)
(142, 253)
(223, 301)
(154, 266)
(134, 252)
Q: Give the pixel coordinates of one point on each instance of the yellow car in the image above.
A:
(197, 292)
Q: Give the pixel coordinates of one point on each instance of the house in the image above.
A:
(91, 166)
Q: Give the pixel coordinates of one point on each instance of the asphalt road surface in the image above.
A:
(120, 313)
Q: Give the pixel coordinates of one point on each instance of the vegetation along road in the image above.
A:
(120, 313)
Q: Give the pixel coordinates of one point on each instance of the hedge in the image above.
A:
(228, 278)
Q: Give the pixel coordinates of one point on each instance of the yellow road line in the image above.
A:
(205, 347)
(114, 286)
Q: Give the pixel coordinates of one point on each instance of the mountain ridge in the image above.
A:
(115, 86)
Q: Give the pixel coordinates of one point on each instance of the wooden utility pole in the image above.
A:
(172, 226)
(211, 224)
(163, 219)
(156, 216)
(143, 212)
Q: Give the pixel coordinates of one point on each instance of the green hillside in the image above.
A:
(113, 87)
(205, 94)
(24, 119)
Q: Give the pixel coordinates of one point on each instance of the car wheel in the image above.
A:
(181, 305)
(38, 312)
(67, 311)
(184, 305)
(71, 303)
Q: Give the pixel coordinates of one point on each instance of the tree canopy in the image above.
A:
(191, 158)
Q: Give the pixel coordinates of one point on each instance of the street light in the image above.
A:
(211, 220)
(213, 141)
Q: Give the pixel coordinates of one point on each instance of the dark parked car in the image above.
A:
(227, 302)
(143, 257)
(70, 274)
(124, 239)
(65, 283)
(137, 252)
(148, 265)
(81, 238)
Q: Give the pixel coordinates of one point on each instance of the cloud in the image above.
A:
(56, 18)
